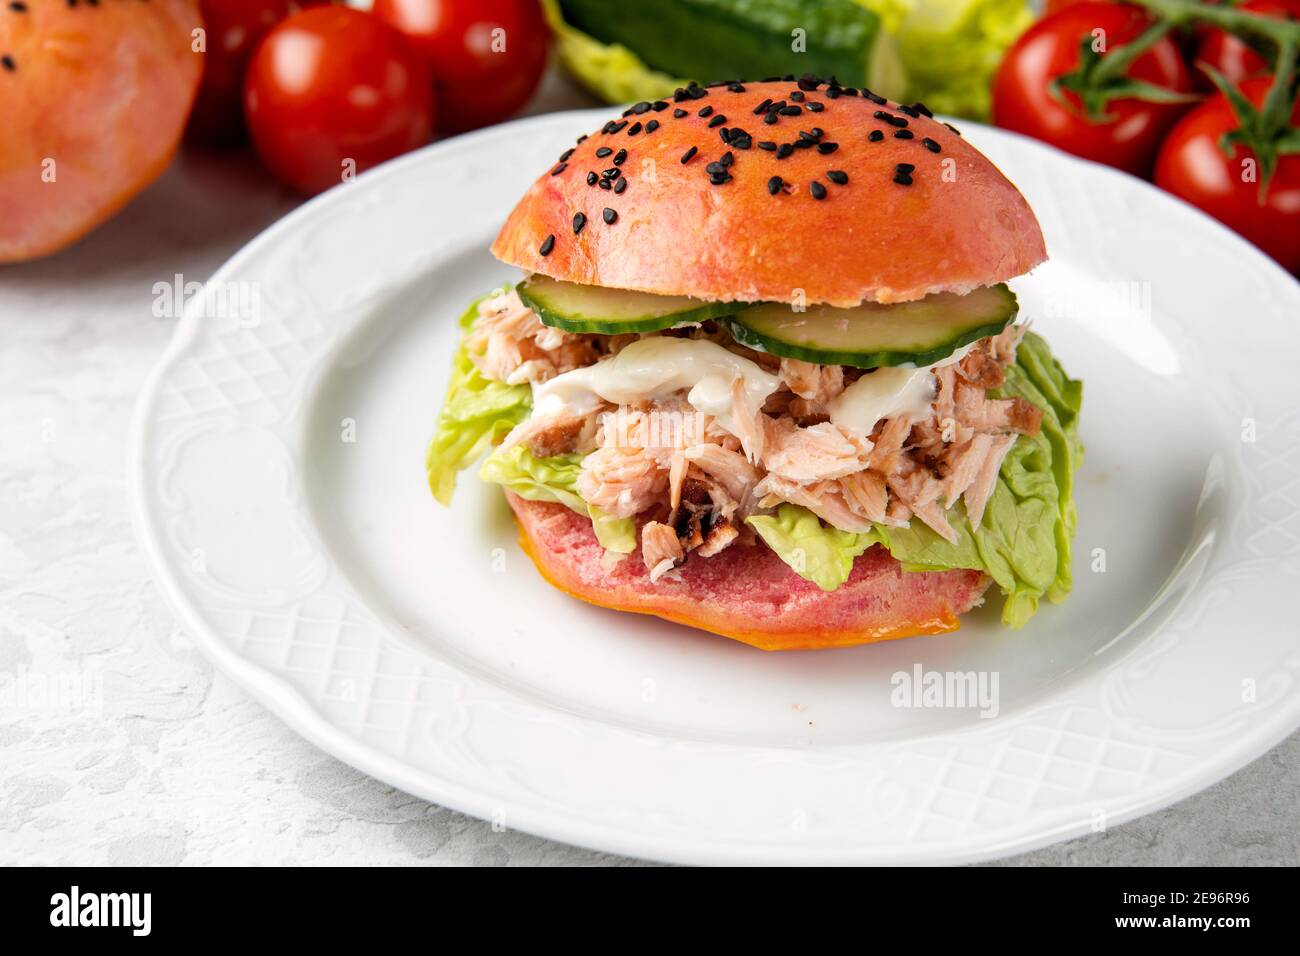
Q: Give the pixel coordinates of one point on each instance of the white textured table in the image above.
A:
(145, 755)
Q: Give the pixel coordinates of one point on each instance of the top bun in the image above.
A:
(700, 224)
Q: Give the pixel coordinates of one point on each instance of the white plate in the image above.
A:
(418, 643)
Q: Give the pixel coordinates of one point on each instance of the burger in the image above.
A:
(763, 375)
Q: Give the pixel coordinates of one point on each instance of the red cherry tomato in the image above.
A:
(233, 29)
(1022, 100)
(1229, 54)
(487, 56)
(331, 85)
(1193, 167)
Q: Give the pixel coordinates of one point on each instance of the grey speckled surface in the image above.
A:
(163, 761)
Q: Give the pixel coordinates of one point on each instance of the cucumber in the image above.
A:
(589, 308)
(871, 335)
(715, 39)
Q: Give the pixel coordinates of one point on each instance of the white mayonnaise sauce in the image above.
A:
(889, 392)
(654, 368)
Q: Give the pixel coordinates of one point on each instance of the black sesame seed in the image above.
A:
(714, 168)
(832, 93)
(903, 179)
(903, 134)
(642, 107)
(612, 173)
(784, 150)
(809, 83)
(791, 110)
(679, 113)
(761, 108)
(579, 220)
(817, 132)
(697, 92)
(18, 6)
(719, 178)
(770, 118)
(8, 63)
(581, 138)
(953, 128)
(591, 179)
(547, 245)
(688, 155)
(566, 154)
(768, 145)
(736, 87)
(706, 111)
(659, 105)
(651, 126)
(908, 111)
(739, 139)
(837, 176)
(875, 97)
(827, 148)
(603, 152)
(634, 129)
(808, 135)
(619, 157)
(717, 121)
(620, 185)
(727, 158)
(816, 107)
(876, 136)
(931, 145)
(618, 127)
(803, 143)
(774, 185)
(605, 184)
(609, 215)
(904, 167)
(922, 109)
(817, 189)
(796, 96)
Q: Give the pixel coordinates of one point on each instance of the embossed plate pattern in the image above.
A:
(277, 486)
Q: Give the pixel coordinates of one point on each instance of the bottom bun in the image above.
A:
(748, 593)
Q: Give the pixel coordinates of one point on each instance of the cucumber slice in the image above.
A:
(871, 335)
(592, 308)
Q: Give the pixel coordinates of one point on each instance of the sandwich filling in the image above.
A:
(683, 442)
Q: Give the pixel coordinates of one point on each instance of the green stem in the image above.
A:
(1115, 63)
(1275, 114)
(1179, 12)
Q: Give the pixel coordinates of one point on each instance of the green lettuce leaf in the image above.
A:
(1023, 542)
(820, 553)
(476, 414)
(556, 479)
(950, 49)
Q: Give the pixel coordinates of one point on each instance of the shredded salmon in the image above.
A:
(692, 478)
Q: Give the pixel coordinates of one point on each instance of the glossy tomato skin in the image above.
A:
(332, 84)
(1193, 167)
(1229, 55)
(233, 29)
(1022, 100)
(487, 56)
